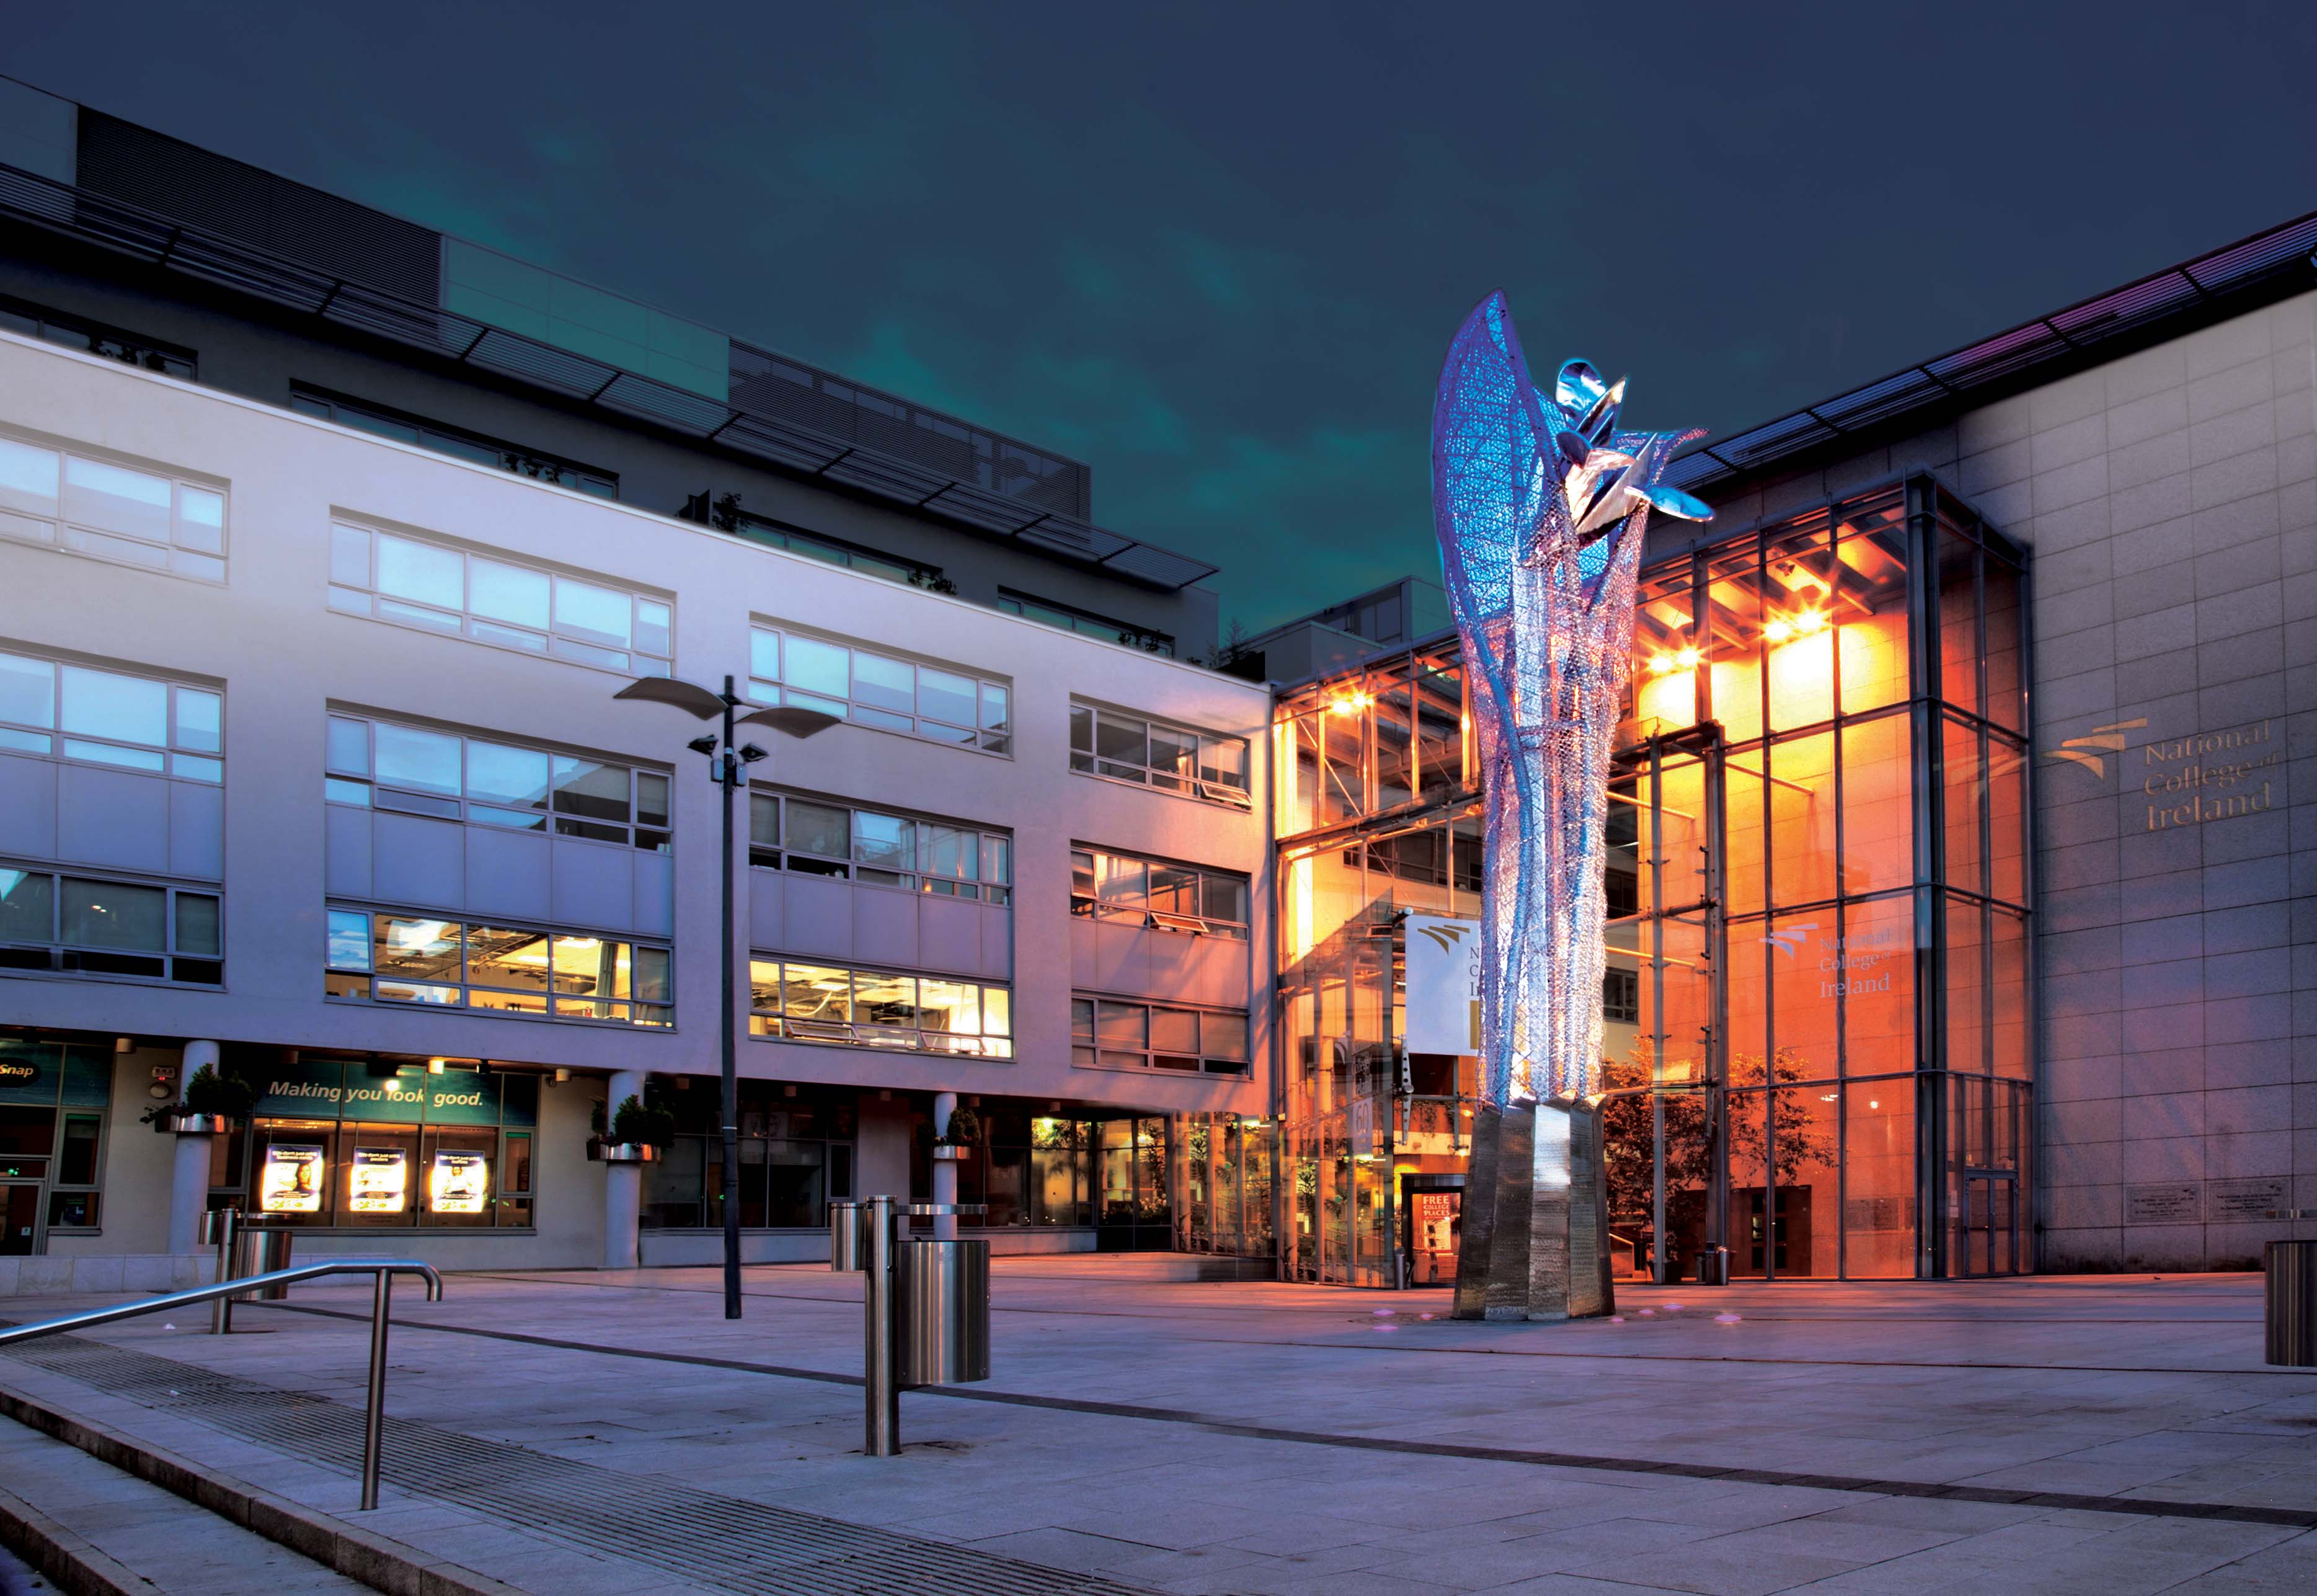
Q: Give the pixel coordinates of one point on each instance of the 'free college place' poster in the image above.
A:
(460, 1182)
(380, 1180)
(291, 1182)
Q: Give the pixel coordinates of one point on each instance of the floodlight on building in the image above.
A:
(435, 1066)
(561, 1075)
(124, 1044)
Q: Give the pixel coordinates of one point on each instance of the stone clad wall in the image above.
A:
(2168, 503)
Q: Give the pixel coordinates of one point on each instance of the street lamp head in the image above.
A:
(683, 696)
(751, 753)
(702, 744)
(792, 720)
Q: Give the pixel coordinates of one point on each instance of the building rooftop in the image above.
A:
(2226, 282)
(78, 172)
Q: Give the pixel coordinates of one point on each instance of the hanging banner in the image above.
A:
(291, 1182)
(379, 1182)
(459, 1183)
(1443, 1012)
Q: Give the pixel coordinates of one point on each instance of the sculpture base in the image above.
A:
(1536, 1231)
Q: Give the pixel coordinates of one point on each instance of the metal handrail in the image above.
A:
(381, 1271)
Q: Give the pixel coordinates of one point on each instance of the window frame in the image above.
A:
(1089, 905)
(369, 601)
(777, 853)
(1091, 1050)
(181, 759)
(767, 532)
(993, 737)
(564, 822)
(456, 443)
(128, 346)
(71, 959)
(1065, 617)
(1086, 758)
(341, 974)
(197, 556)
(774, 1024)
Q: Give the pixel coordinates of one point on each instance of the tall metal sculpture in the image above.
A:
(1540, 505)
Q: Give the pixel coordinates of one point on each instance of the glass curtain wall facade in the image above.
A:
(1817, 1042)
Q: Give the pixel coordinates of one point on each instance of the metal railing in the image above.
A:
(381, 1270)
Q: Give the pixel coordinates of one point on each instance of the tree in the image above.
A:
(1804, 1139)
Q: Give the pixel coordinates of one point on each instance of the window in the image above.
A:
(1114, 1034)
(501, 602)
(74, 332)
(1173, 758)
(879, 690)
(1621, 996)
(1085, 622)
(447, 440)
(774, 534)
(108, 717)
(814, 1002)
(523, 970)
(812, 838)
(88, 925)
(111, 512)
(1105, 885)
(380, 765)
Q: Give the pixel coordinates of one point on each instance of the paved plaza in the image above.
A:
(585, 1432)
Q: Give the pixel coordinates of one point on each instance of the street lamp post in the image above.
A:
(727, 766)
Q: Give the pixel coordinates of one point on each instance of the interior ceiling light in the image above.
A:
(1787, 628)
(1351, 703)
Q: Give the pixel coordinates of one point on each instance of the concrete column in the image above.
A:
(624, 1184)
(188, 1185)
(945, 1172)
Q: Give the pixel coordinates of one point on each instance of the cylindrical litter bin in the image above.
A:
(942, 1313)
(848, 1237)
(1714, 1266)
(217, 1227)
(261, 1252)
(2290, 1289)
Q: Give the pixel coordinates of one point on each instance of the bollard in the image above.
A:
(220, 1227)
(884, 1397)
(847, 1237)
(2289, 1297)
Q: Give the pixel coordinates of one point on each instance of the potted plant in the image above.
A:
(963, 1130)
(213, 1105)
(639, 1131)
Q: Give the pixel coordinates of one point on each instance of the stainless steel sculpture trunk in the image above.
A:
(1540, 505)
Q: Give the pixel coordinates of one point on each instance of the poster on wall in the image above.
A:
(379, 1182)
(1443, 984)
(291, 1182)
(459, 1183)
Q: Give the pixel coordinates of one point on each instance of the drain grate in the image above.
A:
(724, 1541)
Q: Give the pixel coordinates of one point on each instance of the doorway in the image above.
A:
(20, 1213)
(1432, 1223)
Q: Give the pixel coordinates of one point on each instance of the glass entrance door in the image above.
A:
(1660, 1047)
(1987, 1133)
(19, 1212)
(1990, 1238)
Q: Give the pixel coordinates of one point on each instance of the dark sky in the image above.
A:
(1216, 250)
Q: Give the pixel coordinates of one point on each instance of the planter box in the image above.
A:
(949, 1152)
(623, 1153)
(199, 1125)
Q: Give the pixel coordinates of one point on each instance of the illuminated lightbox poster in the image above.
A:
(291, 1182)
(459, 1183)
(378, 1181)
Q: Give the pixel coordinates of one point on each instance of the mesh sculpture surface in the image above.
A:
(1540, 505)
